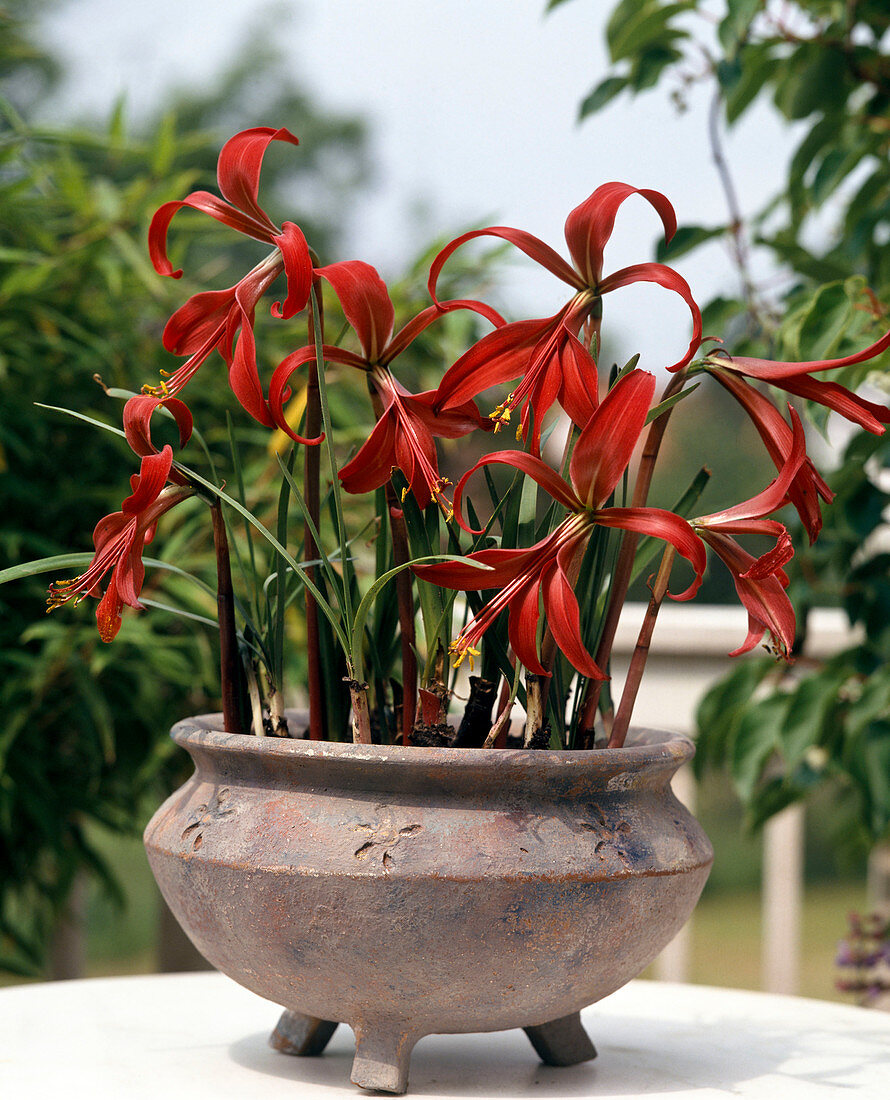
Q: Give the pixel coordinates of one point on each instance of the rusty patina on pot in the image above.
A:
(408, 891)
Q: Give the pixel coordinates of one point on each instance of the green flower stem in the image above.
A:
(311, 483)
(229, 662)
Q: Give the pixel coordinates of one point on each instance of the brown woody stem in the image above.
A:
(536, 698)
(361, 716)
(229, 660)
(641, 650)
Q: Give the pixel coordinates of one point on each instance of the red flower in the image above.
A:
(549, 568)
(403, 436)
(212, 319)
(760, 582)
(119, 540)
(797, 378)
(547, 353)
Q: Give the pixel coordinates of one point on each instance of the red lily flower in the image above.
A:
(119, 540)
(547, 353)
(807, 485)
(212, 319)
(403, 436)
(549, 568)
(760, 582)
(797, 378)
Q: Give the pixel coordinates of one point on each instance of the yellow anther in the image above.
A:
(404, 494)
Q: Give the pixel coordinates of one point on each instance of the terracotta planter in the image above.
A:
(412, 891)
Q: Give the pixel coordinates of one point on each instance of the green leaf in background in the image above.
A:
(685, 239)
(600, 95)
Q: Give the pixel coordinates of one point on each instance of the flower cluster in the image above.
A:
(551, 579)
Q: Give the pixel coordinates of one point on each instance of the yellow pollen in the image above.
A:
(460, 652)
(404, 494)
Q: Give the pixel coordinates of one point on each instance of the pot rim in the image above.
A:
(649, 747)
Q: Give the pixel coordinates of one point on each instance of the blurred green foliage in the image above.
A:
(83, 737)
(823, 66)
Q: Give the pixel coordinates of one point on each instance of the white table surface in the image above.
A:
(200, 1036)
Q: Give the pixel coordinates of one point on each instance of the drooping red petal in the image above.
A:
(151, 479)
(239, 164)
(548, 479)
(607, 441)
(244, 377)
(373, 465)
(138, 412)
(503, 567)
(775, 494)
(579, 391)
(538, 251)
(807, 485)
(664, 525)
(867, 414)
(365, 302)
(764, 598)
(670, 280)
(195, 322)
(493, 360)
(522, 626)
(590, 225)
(108, 614)
(297, 269)
(769, 370)
(564, 618)
(449, 423)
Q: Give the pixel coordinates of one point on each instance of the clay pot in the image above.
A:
(410, 891)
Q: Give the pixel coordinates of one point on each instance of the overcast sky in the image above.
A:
(472, 107)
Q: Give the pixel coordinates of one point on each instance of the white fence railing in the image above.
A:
(689, 653)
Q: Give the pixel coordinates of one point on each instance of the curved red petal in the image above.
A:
(137, 421)
(239, 164)
(297, 270)
(775, 494)
(807, 486)
(197, 320)
(769, 370)
(450, 423)
(244, 378)
(150, 481)
(528, 464)
(590, 225)
(538, 251)
(579, 390)
(522, 626)
(867, 414)
(670, 280)
(365, 302)
(607, 441)
(208, 204)
(663, 525)
(564, 620)
(504, 566)
(374, 462)
(491, 361)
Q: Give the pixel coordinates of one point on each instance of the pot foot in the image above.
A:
(296, 1033)
(382, 1054)
(562, 1042)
